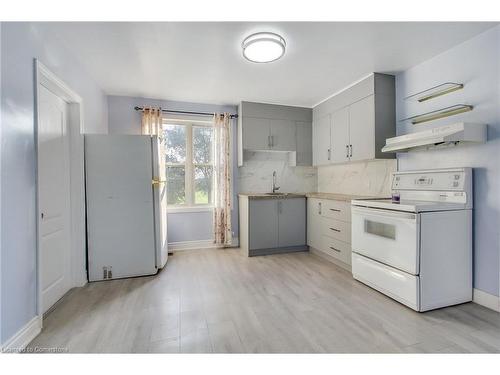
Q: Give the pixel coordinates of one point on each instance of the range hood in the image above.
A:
(447, 135)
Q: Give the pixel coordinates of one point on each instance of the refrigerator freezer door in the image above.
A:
(160, 201)
(120, 213)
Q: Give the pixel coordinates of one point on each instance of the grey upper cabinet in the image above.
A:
(304, 143)
(291, 222)
(339, 136)
(259, 137)
(361, 118)
(362, 129)
(268, 127)
(282, 135)
(321, 140)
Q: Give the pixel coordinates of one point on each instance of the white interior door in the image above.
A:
(160, 202)
(54, 197)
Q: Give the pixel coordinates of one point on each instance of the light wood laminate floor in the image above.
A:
(221, 301)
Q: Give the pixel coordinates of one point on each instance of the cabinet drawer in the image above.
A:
(339, 230)
(337, 249)
(336, 210)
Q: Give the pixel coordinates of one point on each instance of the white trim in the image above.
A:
(197, 245)
(343, 89)
(23, 337)
(485, 299)
(180, 209)
(48, 79)
(276, 103)
(192, 245)
(78, 277)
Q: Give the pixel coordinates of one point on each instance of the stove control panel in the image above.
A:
(432, 180)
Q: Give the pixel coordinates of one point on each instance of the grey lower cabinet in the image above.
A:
(263, 224)
(274, 225)
(292, 222)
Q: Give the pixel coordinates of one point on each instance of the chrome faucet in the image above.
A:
(275, 188)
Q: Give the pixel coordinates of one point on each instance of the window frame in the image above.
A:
(189, 166)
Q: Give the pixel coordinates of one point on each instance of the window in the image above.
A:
(189, 162)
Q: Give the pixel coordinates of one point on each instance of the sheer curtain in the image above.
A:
(151, 121)
(222, 179)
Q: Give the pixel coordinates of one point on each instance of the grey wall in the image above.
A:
(476, 63)
(123, 119)
(20, 44)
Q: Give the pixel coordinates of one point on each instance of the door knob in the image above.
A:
(156, 181)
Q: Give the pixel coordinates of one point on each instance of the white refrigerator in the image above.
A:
(126, 199)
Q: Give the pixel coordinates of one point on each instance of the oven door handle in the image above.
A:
(374, 212)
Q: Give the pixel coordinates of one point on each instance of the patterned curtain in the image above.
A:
(222, 179)
(151, 121)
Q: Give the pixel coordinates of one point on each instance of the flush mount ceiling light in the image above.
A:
(263, 47)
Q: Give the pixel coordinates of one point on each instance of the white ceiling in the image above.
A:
(202, 62)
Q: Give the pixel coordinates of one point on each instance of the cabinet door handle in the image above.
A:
(346, 151)
(319, 208)
(329, 154)
(272, 141)
(334, 210)
(350, 155)
(269, 141)
(335, 230)
(334, 249)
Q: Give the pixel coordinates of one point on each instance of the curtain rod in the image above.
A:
(187, 112)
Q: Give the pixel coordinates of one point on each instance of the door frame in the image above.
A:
(75, 126)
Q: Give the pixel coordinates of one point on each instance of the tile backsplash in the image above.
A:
(371, 178)
(357, 178)
(257, 174)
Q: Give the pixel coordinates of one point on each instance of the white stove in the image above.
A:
(418, 250)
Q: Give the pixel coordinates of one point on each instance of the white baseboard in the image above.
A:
(195, 245)
(485, 299)
(23, 337)
(191, 245)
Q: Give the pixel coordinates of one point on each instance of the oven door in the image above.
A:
(390, 237)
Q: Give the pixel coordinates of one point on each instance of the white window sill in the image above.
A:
(175, 210)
